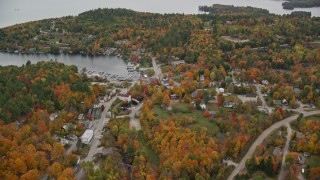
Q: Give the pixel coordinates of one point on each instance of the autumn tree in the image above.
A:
(220, 99)
(166, 100)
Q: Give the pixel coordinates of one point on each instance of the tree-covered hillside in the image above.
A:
(45, 85)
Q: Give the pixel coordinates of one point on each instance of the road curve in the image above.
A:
(262, 136)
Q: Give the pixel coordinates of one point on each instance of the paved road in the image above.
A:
(262, 136)
(157, 69)
(285, 152)
(97, 129)
(264, 104)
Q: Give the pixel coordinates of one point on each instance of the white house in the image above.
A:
(124, 97)
(203, 106)
(265, 82)
(221, 90)
(53, 116)
(87, 136)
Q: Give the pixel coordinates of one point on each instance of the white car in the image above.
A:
(302, 170)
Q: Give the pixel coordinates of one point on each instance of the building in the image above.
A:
(277, 152)
(265, 82)
(165, 81)
(201, 77)
(87, 136)
(285, 102)
(251, 95)
(53, 116)
(213, 114)
(87, 124)
(277, 102)
(80, 117)
(64, 142)
(203, 106)
(221, 90)
(125, 97)
(177, 62)
(229, 104)
(301, 159)
(89, 115)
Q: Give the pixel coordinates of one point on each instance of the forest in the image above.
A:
(29, 94)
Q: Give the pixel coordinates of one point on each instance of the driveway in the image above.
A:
(135, 122)
(261, 138)
(285, 152)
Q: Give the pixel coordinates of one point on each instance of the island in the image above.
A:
(291, 4)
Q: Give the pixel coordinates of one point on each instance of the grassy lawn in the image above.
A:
(160, 114)
(313, 161)
(146, 148)
(84, 151)
(177, 78)
(207, 25)
(315, 117)
(181, 109)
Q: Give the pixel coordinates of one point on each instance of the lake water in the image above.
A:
(109, 64)
(19, 11)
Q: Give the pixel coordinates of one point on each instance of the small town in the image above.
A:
(229, 92)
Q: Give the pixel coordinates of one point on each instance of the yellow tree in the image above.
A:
(166, 100)
(57, 151)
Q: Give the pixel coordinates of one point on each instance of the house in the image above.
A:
(87, 136)
(87, 124)
(221, 90)
(165, 81)
(277, 102)
(150, 80)
(251, 95)
(297, 91)
(124, 97)
(201, 77)
(306, 154)
(213, 114)
(195, 92)
(164, 107)
(285, 102)
(53, 116)
(80, 117)
(277, 152)
(71, 137)
(68, 126)
(203, 106)
(312, 106)
(301, 159)
(104, 151)
(265, 82)
(89, 114)
(229, 104)
(177, 62)
(64, 142)
(173, 96)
